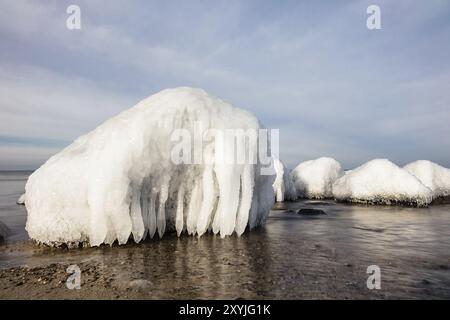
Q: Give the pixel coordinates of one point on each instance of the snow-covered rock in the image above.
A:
(283, 186)
(21, 199)
(121, 180)
(432, 175)
(381, 182)
(314, 178)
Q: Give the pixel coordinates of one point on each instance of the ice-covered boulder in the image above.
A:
(121, 179)
(21, 199)
(381, 182)
(432, 175)
(283, 186)
(314, 178)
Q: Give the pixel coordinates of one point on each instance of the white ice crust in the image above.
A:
(21, 199)
(432, 175)
(283, 186)
(381, 182)
(120, 180)
(314, 178)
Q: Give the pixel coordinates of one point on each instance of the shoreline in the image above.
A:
(109, 277)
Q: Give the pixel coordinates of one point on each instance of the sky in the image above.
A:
(311, 69)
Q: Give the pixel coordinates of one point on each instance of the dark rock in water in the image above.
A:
(311, 212)
(441, 200)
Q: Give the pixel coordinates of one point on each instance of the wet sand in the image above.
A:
(293, 257)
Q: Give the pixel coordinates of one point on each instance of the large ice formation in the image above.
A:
(432, 175)
(314, 178)
(381, 182)
(121, 180)
(283, 186)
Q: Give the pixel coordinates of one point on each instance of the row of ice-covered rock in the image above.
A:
(381, 182)
(314, 178)
(377, 182)
(121, 181)
(432, 175)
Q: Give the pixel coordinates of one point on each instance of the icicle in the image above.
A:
(152, 213)
(136, 216)
(161, 220)
(145, 207)
(247, 185)
(179, 220)
(193, 208)
(208, 200)
(98, 220)
(122, 225)
(111, 234)
(229, 187)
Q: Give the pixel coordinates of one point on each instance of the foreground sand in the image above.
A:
(247, 271)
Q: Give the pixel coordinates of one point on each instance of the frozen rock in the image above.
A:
(311, 212)
(313, 179)
(120, 179)
(283, 186)
(432, 175)
(381, 182)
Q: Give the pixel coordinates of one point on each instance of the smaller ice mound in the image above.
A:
(381, 182)
(21, 199)
(432, 175)
(314, 179)
(282, 186)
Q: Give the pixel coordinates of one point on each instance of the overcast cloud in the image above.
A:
(310, 68)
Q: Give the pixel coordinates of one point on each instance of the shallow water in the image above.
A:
(12, 186)
(293, 256)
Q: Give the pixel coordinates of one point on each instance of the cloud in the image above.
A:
(311, 69)
(42, 104)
